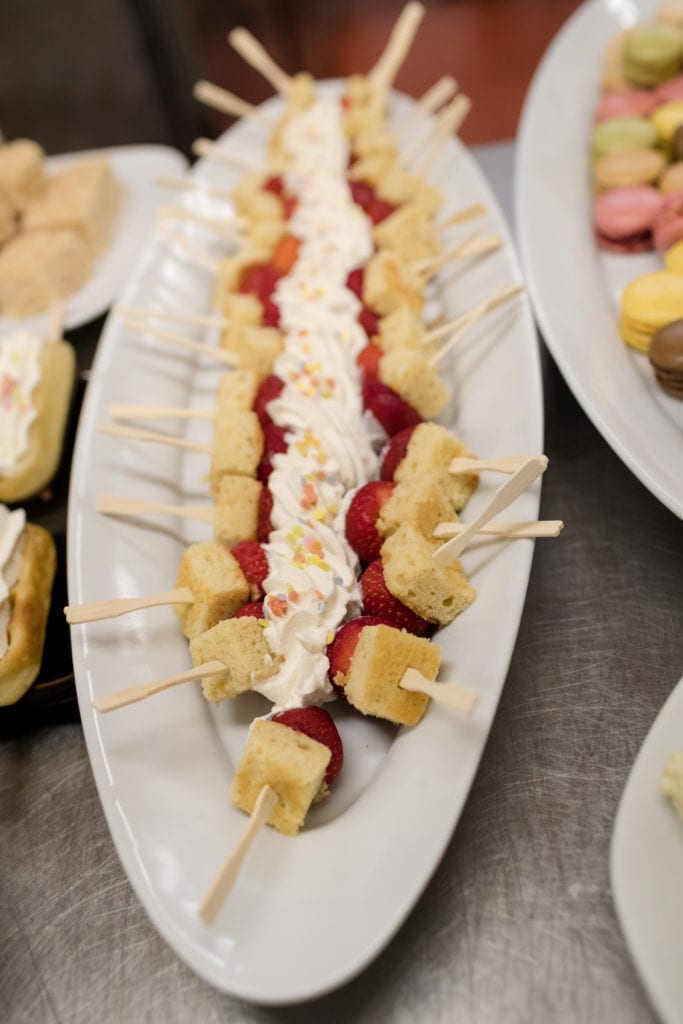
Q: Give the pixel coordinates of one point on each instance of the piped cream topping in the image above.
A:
(11, 529)
(20, 373)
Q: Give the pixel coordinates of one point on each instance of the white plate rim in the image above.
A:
(318, 986)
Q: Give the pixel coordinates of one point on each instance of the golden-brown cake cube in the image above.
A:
(241, 646)
(373, 167)
(407, 371)
(408, 233)
(389, 283)
(85, 198)
(431, 450)
(370, 142)
(8, 219)
(399, 328)
(237, 443)
(399, 186)
(236, 509)
(422, 507)
(379, 661)
(436, 593)
(257, 347)
(21, 171)
(39, 268)
(265, 233)
(237, 389)
(292, 763)
(241, 310)
(301, 92)
(218, 585)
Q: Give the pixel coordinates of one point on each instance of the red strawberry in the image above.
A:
(273, 442)
(368, 360)
(369, 321)
(254, 564)
(269, 388)
(340, 651)
(388, 408)
(274, 184)
(377, 600)
(354, 281)
(271, 313)
(395, 452)
(362, 193)
(361, 519)
(318, 724)
(265, 507)
(289, 205)
(379, 210)
(259, 280)
(253, 608)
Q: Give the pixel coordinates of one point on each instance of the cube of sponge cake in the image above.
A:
(85, 198)
(236, 511)
(407, 372)
(436, 593)
(430, 451)
(237, 443)
(241, 310)
(292, 763)
(382, 655)
(8, 219)
(21, 171)
(217, 583)
(241, 646)
(400, 328)
(422, 507)
(237, 389)
(408, 233)
(257, 347)
(389, 283)
(41, 267)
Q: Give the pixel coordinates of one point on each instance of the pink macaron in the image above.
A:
(667, 227)
(627, 103)
(669, 91)
(623, 218)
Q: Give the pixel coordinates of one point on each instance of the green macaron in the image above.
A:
(619, 134)
(653, 52)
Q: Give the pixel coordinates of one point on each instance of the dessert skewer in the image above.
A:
(441, 92)
(226, 102)
(218, 355)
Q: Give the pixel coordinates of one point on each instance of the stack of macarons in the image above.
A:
(649, 303)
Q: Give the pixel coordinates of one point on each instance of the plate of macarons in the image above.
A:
(600, 220)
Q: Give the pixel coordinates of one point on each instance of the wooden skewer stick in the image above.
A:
(192, 319)
(508, 464)
(220, 355)
(224, 881)
(95, 611)
(254, 54)
(438, 94)
(113, 505)
(212, 151)
(193, 252)
(192, 185)
(472, 246)
(224, 227)
(523, 528)
(460, 697)
(503, 497)
(132, 694)
(449, 123)
(498, 298)
(134, 434)
(227, 103)
(158, 412)
(395, 52)
(468, 213)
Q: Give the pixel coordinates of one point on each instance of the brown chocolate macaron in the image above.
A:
(666, 356)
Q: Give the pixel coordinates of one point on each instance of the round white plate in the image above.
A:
(307, 913)
(647, 866)
(135, 168)
(575, 289)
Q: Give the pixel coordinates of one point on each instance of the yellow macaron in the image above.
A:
(673, 258)
(667, 119)
(648, 303)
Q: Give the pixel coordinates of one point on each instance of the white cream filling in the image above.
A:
(20, 373)
(11, 531)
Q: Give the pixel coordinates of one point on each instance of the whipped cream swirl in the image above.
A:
(20, 373)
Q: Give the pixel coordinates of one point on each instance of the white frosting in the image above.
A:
(11, 528)
(312, 581)
(19, 374)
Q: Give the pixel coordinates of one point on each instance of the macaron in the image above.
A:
(673, 258)
(667, 226)
(666, 120)
(648, 303)
(671, 10)
(623, 218)
(669, 91)
(672, 179)
(625, 103)
(653, 52)
(677, 145)
(631, 167)
(613, 78)
(666, 356)
(616, 134)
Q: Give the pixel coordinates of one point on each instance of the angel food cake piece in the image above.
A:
(39, 268)
(84, 198)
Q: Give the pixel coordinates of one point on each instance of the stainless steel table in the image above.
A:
(517, 924)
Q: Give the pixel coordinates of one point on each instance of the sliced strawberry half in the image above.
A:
(388, 407)
(361, 519)
(254, 609)
(274, 184)
(265, 507)
(377, 600)
(254, 564)
(396, 452)
(362, 194)
(379, 210)
(369, 321)
(285, 254)
(341, 650)
(318, 724)
(271, 313)
(368, 360)
(259, 280)
(269, 389)
(273, 443)
(354, 281)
